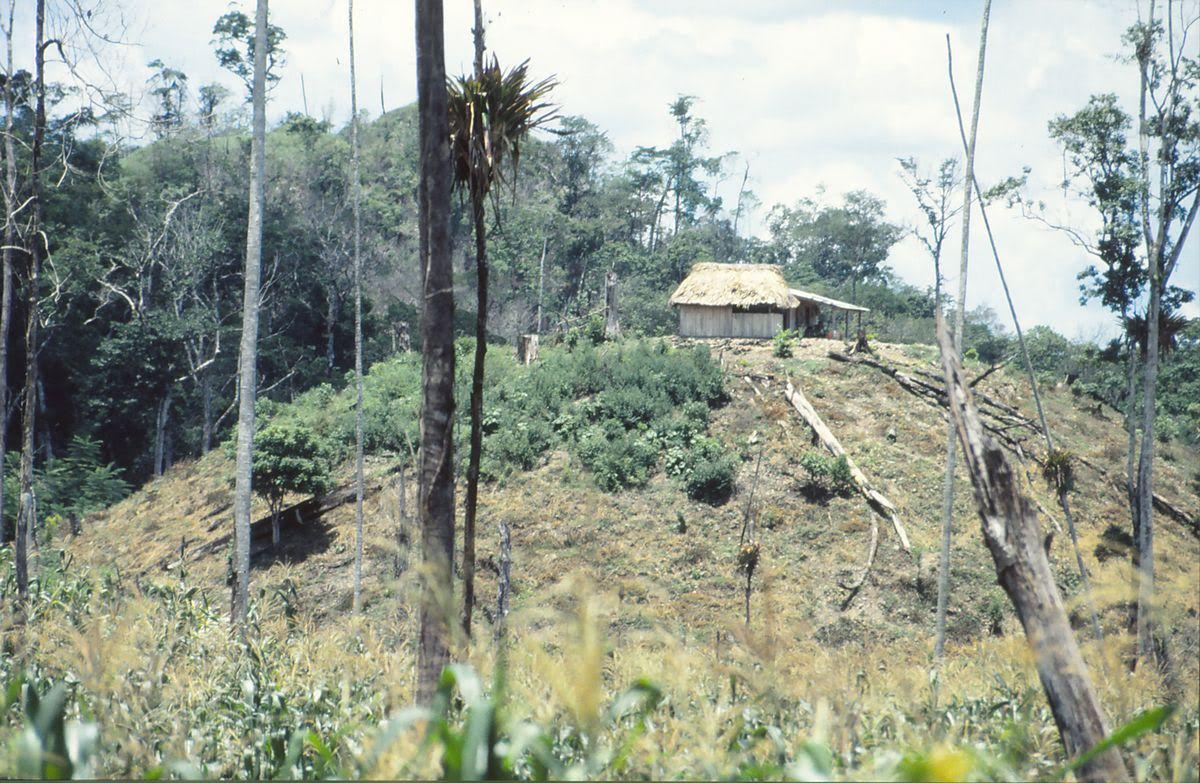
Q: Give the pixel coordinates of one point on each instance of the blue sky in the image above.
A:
(812, 95)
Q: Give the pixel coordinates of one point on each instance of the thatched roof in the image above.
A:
(740, 285)
(836, 304)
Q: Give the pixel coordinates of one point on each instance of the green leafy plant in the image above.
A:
(826, 475)
(50, 747)
(288, 458)
(783, 343)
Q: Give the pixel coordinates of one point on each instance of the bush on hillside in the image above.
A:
(515, 446)
(709, 477)
(75, 484)
(781, 346)
(620, 462)
(289, 458)
(625, 410)
(827, 475)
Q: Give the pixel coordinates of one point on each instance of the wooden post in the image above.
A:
(1014, 537)
(402, 538)
(612, 326)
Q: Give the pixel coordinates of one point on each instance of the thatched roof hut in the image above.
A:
(741, 285)
(748, 300)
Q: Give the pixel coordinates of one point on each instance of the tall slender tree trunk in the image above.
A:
(332, 313)
(478, 205)
(1145, 469)
(503, 581)
(541, 287)
(10, 241)
(206, 400)
(1131, 480)
(356, 201)
(160, 433)
(959, 326)
(436, 482)
(472, 500)
(27, 511)
(248, 356)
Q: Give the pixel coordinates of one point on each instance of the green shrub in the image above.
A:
(631, 405)
(711, 480)
(288, 457)
(518, 446)
(76, 484)
(781, 347)
(827, 475)
(617, 462)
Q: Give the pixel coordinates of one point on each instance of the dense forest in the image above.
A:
(138, 367)
(221, 332)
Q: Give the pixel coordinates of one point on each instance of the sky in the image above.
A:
(815, 97)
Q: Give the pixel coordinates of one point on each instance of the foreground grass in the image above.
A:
(153, 671)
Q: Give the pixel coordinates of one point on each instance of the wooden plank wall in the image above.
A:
(759, 325)
(699, 321)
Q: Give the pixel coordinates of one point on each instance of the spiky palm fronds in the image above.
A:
(491, 113)
(1170, 326)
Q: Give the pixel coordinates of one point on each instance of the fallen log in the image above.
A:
(875, 499)
(862, 578)
(983, 376)
(929, 385)
(305, 510)
(935, 396)
(1014, 537)
(1161, 504)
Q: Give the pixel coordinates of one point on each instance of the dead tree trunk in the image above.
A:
(160, 433)
(503, 581)
(10, 241)
(537, 329)
(880, 504)
(527, 348)
(959, 321)
(27, 510)
(400, 564)
(612, 325)
(1014, 537)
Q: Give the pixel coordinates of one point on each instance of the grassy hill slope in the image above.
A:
(654, 574)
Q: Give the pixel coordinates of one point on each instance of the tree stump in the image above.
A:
(527, 348)
(612, 325)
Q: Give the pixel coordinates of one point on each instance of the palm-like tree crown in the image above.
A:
(490, 114)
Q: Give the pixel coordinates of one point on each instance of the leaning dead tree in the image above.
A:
(973, 183)
(1014, 537)
(879, 504)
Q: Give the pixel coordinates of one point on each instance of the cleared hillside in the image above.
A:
(661, 571)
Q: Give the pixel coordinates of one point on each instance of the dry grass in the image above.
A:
(608, 590)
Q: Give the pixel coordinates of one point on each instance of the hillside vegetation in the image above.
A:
(625, 473)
